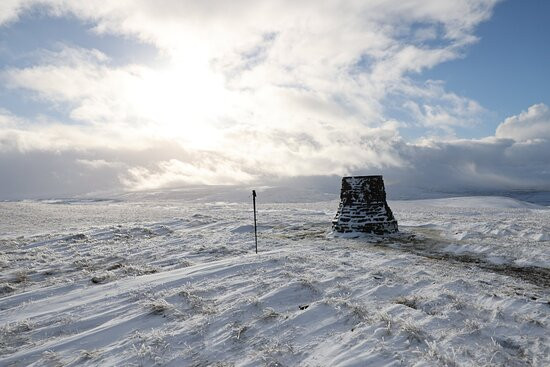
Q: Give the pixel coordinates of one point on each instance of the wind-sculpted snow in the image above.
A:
(172, 283)
(494, 230)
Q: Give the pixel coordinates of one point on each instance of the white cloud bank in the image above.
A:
(254, 90)
(531, 124)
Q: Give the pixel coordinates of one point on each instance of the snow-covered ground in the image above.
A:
(466, 283)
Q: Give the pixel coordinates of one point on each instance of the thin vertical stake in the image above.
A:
(255, 230)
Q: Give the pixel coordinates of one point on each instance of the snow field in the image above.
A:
(179, 285)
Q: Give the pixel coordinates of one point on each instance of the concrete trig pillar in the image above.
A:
(363, 207)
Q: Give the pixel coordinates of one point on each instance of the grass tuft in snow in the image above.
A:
(472, 325)
(138, 270)
(150, 347)
(20, 276)
(253, 301)
(309, 283)
(270, 313)
(355, 309)
(443, 357)
(411, 302)
(159, 307)
(197, 303)
(103, 277)
(387, 320)
(52, 359)
(6, 288)
(12, 335)
(531, 319)
(413, 331)
(274, 349)
(239, 330)
(90, 354)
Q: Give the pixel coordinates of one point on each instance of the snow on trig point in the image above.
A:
(363, 207)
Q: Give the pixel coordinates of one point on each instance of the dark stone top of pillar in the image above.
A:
(362, 189)
(370, 176)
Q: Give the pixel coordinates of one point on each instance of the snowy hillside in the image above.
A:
(465, 283)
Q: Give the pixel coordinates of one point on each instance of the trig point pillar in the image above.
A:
(363, 207)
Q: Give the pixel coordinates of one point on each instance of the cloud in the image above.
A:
(44, 174)
(531, 124)
(10, 9)
(456, 166)
(173, 173)
(348, 56)
(485, 165)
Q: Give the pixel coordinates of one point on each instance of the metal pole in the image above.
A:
(255, 230)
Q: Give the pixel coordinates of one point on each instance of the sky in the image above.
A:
(108, 96)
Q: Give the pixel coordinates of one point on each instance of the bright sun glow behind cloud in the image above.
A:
(182, 101)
